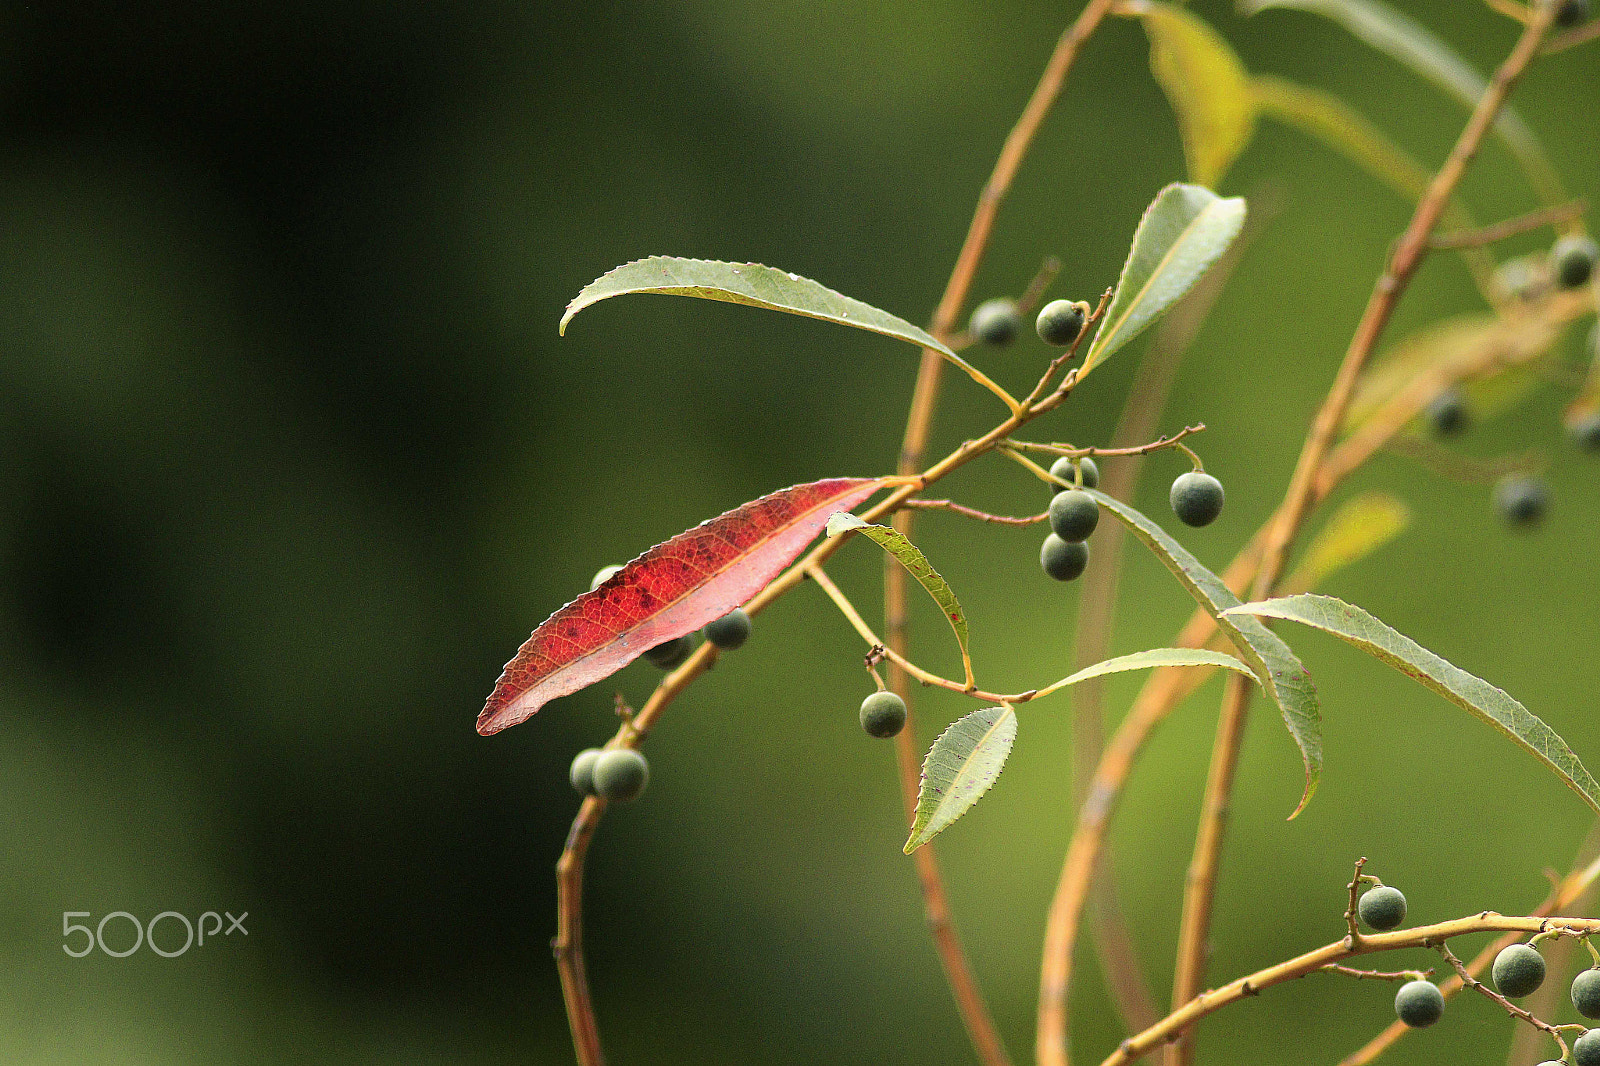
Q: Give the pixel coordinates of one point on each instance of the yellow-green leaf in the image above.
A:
(1207, 86)
(960, 767)
(1182, 233)
(1342, 128)
(1359, 527)
(1154, 658)
(1473, 694)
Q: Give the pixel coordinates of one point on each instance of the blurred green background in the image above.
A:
(292, 459)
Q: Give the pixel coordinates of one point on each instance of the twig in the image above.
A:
(1067, 450)
(1409, 252)
(970, 512)
(1572, 38)
(1511, 227)
(1041, 282)
(1463, 469)
(1510, 9)
(1376, 975)
(1510, 1008)
(1350, 912)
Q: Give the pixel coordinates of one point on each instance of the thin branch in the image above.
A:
(1510, 9)
(1511, 227)
(970, 512)
(1067, 450)
(1462, 469)
(1572, 38)
(1408, 254)
(1376, 975)
(1510, 1008)
(1037, 287)
(1351, 911)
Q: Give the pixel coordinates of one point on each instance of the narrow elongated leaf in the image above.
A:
(756, 286)
(1342, 128)
(1277, 669)
(1407, 41)
(1182, 233)
(960, 767)
(910, 556)
(1156, 657)
(1207, 86)
(1475, 695)
(672, 589)
(1359, 527)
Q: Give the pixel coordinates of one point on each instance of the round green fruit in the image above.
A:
(1518, 971)
(1586, 1049)
(582, 773)
(602, 576)
(1196, 498)
(1572, 261)
(1586, 993)
(1586, 432)
(1571, 12)
(1073, 515)
(1063, 559)
(1060, 322)
(729, 631)
(670, 656)
(1447, 412)
(995, 322)
(1419, 1003)
(883, 714)
(620, 774)
(1066, 469)
(1382, 908)
(1522, 500)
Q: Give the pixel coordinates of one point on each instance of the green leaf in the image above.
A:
(1359, 527)
(1342, 128)
(1156, 657)
(1409, 42)
(910, 556)
(758, 286)
(1182, 233)
(1207, 86)
(1277, 669)
(1473, 694)
(960, 767)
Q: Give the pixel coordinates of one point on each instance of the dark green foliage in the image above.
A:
(1521, 499)
(1586, 1049)
(620, 774)
(1586, 993)
(1518, 971)
(1382, 908)
(729, 631)
(1060, 322)
(1570, 13)
(602, 576)
(1447, 412)
(1073, 515)
(1419, 1003)
(883, 714)
(1063, 559)
(670, 656)
(1196, 498)
(1586, 432)
(995, 322)
(1572, 258)
(582, 773)
(1066, 469)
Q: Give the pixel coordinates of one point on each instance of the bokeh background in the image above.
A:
(292, 459)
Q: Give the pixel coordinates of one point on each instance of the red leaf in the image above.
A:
(672, 589)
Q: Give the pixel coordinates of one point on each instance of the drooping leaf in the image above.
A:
(1207, 86)
(756, 286)
(672, 589)
(1407, 41)
(1156, 657)
(1475, 695)
(1342, 128)
(960, 767)
(1182, 233)
(910, 556)
(1277, 669)
(1359, 527)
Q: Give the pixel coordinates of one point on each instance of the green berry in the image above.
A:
(620, 774)
(883, 714)
(1571, 12)
(670, 656)
(1419, 1003)
(1586, 1049)
(602, 576)
(1521, 500)
(1060, 322)
(1066, 469)
(1572, 260)
(1586, 993)
(1586, 432)
(1520, 279)
(1518, 971)
(1447, 412)
(582, 773)
(1196, 498)
(729, 631)
(1063, 559)
(1382, 908)
(995, 322)
(1073, 515)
